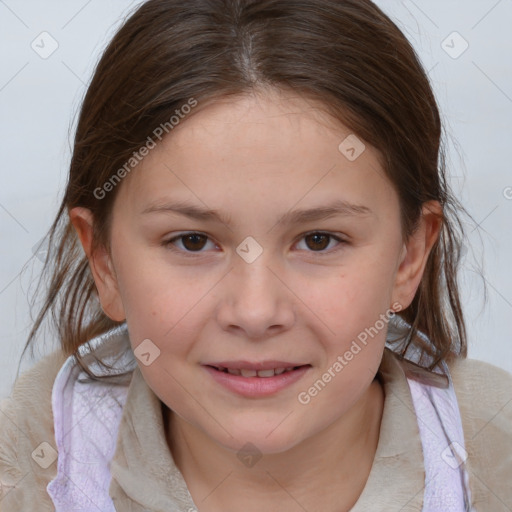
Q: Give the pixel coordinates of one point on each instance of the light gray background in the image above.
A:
(39, 98)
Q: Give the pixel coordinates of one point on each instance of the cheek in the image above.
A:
(353, 307)
(150, 289)
(170, 315)
(351, 298)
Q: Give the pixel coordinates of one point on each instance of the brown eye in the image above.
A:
(317, 241)
(321, 243)
(188, 243)
(193, 241)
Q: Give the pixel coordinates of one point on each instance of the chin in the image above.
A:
(262, 441)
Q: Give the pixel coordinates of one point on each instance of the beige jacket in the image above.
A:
(145, 478)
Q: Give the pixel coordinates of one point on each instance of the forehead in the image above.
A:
(256, 118)
(274, 149)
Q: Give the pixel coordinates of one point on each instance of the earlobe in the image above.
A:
(100, 264)
(415, 253)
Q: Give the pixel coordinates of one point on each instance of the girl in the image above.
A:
(253, 277)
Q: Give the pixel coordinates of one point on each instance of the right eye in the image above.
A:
(191, 242)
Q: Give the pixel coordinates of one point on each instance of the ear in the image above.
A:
(415, 252)
(100, 264)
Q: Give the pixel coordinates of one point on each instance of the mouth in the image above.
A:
(251, 372)
(256, 380)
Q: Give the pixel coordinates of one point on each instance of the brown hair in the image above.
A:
(345, 53)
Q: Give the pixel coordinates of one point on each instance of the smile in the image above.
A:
(252, 383)
(246, 372)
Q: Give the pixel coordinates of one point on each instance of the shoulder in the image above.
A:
(26, 421)
(472, 374)
(484, 392)
(31, 393)
(484, 395)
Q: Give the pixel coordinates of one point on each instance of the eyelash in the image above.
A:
(169, 242)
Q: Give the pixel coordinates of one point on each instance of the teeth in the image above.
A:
(266, 373)
(253, 373)
(248, 373)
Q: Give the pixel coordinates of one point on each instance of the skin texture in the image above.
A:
(304, 299)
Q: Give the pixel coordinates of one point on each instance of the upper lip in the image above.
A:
(247, 365)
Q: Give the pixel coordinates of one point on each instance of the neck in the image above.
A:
(330, 468)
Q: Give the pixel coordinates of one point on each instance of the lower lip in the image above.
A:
(257, 386)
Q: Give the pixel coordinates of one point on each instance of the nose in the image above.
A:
(255, 300)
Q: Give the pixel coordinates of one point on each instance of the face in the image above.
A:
(249, 237)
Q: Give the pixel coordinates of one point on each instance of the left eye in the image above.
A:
(194, 242)
(319, 241)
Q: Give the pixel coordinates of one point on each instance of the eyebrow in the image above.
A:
(336, 208)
